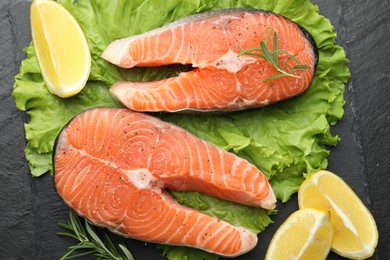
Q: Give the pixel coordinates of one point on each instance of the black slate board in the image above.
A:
(30, 209)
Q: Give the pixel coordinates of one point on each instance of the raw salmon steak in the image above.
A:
(113, 166)
(221, 79)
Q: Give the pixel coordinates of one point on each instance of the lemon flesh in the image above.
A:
(62, 50)
(355, 231)
(305, 234)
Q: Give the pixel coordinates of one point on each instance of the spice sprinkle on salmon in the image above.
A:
(222, 78)
(113, 166)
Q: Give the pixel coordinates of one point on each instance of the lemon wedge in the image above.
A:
(61, 47)
(306, 234)
(355, 232)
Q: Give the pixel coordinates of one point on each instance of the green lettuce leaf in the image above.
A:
(185, 253)
(287, 141)
(256, 219)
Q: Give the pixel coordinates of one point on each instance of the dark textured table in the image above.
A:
(30, 209)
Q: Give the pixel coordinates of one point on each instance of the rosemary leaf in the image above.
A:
(79, 255)
(273, 58)
(83, 246)
(250, 52)
(242, 52)
(267, 37)
(90, 243)
(275, 53)
(268, 55)
(92, 233)
(291, 57)
(110, 246)
(275, 77)
(256, 55)
(126, 252)
(76, 225)
(301, 67)
(64, 225)
(67, 255)
(65, 234)
(102, 247)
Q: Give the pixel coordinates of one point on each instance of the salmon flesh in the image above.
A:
(221, 79)
(112, 166)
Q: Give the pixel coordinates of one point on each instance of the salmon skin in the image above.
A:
(112, 166)
(221, 79)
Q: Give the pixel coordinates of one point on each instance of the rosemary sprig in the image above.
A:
(90, 243)
(273, 58)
